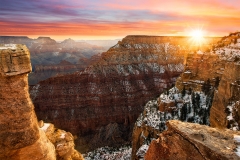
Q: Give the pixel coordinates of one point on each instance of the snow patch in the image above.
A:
(45, 127)
(237, 138)
(8, 46)
(109, 153)
(142, 151)
(62, 136)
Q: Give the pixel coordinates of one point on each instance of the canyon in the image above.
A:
(21, 135)
(100, 104)
(207, 92)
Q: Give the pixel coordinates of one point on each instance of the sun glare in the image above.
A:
(197, 36)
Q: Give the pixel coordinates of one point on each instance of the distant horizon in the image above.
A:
(103, 39)
(95, 20)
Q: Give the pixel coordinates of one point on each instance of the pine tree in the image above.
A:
(189, 110)
(197, 100)
(184, 112)
(208, 86)
(217, 82)
(190, 91)
(193, 103)
(204, 87)
(183, 91)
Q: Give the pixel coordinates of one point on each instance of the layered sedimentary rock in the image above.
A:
(100, 104)
(210, 81)
(20, 135)
(193, 141)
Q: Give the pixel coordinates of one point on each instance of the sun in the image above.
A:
(197, 36)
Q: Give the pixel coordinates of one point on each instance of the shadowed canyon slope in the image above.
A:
(100, 104)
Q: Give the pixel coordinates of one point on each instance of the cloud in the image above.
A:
(54, 17)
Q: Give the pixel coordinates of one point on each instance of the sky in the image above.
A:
(114, 19)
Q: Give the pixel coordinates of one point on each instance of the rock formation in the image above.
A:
(21, 138)
(62, 140)
(20, 135)
(194, 142)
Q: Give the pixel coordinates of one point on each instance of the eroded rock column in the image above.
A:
(20, 137)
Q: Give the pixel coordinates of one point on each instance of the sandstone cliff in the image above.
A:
(21, 138)
(20, 135)
(222, 65)
(210, 81)
(194, 142)
(225, 111)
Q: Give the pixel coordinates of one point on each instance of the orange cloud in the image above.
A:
(118, 18)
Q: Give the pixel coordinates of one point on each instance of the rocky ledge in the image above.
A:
(195, 142)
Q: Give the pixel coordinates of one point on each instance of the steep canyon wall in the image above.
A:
(101, 103)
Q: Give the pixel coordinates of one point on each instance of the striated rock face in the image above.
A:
(106, 98)
(200, 66)
(193, 141)
(224, 111)
(20, 135)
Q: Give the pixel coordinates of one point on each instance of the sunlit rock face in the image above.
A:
(218, 105)
(221, 63)
(193, 141)
(63, 142)
(20, 137)
(225, 111)
(100, 104)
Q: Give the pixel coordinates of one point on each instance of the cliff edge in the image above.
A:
(193, 141)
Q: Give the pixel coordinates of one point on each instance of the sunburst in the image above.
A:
(197, 36)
